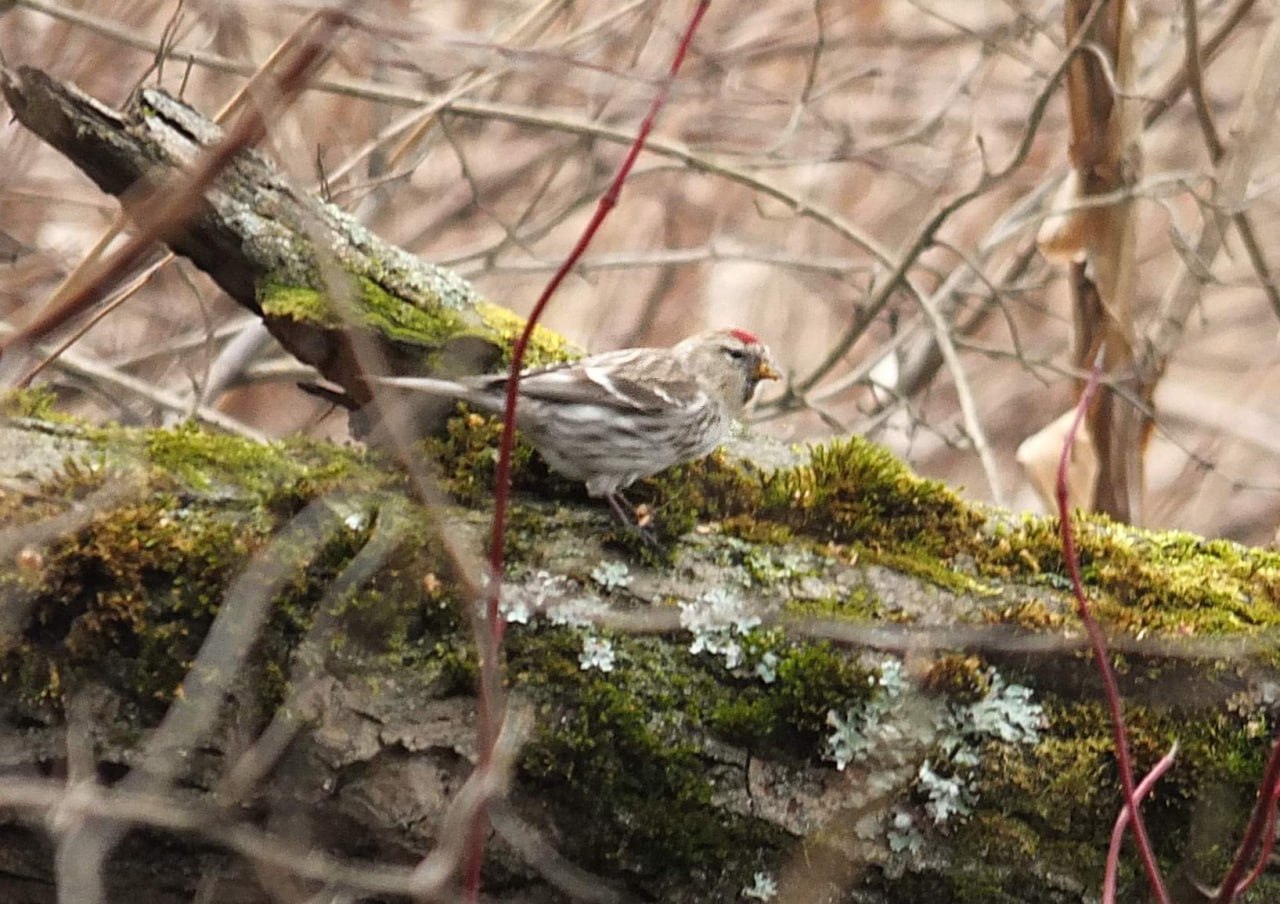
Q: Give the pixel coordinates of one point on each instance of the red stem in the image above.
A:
(492, 644)
(502, 481)
(1099, 644)
(1122, 822)
(1259, 832)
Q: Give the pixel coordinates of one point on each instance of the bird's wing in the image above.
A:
(611, 380)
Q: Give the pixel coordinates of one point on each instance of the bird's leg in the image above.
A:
(640, 515)
(616, 502)
(633, 518)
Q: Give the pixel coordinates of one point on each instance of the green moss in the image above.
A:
(447, 338)
(1069, 780)
(855, 604)
(748, 718)
(853, 491)
(128, 596)
(675, 501)
(1021, 547)
(958, 678)
(1010, 863)
(1138, 580)
(376, 309)
(618, 757)
(282, 476)
(79, 476)
(545, 346)
(940, 572)
(788, 714)
(646, 792)
(709, 489)
(438, 339)
(1175, 581)
(466, 452)
(683, 695)
(857, 494)
(750, 530)
(814, 679)
(39, 402)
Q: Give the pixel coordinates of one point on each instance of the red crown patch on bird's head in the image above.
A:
(744, 337)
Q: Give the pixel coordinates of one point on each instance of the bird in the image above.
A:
(613, 418)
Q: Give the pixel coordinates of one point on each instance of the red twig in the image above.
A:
(1098, 642)
(1122, 822)
(1260, 833)
(492, 643)
(607, 202)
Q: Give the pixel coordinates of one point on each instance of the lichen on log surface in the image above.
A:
(829, 675)
(803, 733)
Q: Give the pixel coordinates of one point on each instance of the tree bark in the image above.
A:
(249, 658)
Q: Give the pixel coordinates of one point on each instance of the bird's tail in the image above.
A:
(443, 388)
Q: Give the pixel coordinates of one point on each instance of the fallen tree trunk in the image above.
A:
(836, 678)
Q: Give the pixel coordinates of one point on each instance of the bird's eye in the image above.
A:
(736, 354)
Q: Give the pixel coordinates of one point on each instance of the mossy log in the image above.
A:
(331, 292)
(829, 675)
(672, 766)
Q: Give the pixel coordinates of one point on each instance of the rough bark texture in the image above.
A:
(323, 284)
(893, 619)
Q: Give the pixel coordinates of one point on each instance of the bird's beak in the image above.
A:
(765, 371)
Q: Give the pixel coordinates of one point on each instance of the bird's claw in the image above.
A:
(637, 520)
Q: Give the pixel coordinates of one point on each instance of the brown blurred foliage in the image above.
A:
(804, 150)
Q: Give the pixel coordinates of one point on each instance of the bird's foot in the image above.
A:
(636, 519)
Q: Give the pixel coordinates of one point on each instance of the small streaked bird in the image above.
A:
(613, 418)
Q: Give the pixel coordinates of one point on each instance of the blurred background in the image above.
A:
(805, 148)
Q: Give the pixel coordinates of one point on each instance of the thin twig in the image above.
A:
(165, 811)
(1231, 179)
(871, 309)
(1195, 79)
(123, 294)
(1259, 833)
(515, 114)
(968, 407)
(490, 720)
(1173, 90)
(1122, 822)
(112, 378)
(178, 198)
(1240, 218)
(1098, 641)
